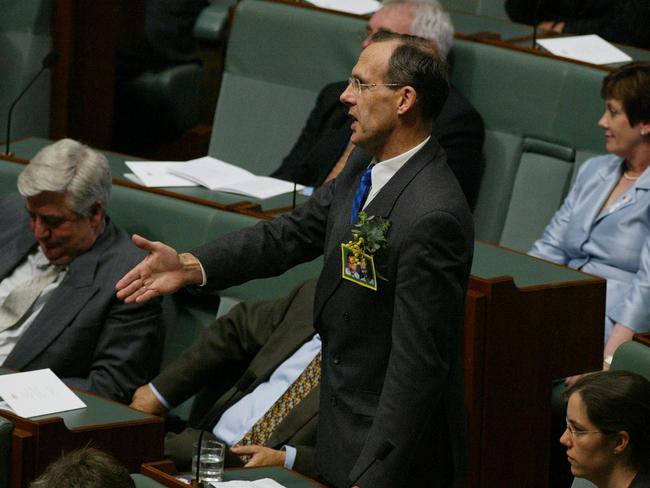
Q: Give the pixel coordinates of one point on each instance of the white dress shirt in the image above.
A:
(29, 268)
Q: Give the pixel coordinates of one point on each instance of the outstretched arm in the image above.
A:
(162, 272)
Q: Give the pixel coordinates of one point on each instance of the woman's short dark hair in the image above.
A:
(416, 63)
(617, 401)
(630, 84)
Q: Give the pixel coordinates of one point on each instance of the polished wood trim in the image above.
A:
(643, 338)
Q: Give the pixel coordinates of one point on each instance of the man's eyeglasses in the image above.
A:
(575, 433)
(361, 87)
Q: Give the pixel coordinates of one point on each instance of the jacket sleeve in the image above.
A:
(234, 338)
(127, 353)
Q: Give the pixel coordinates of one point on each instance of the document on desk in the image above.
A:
(590, 49)
(39, 392)
(358, 7)
(261, 483)
(154, 174)
(219, 175)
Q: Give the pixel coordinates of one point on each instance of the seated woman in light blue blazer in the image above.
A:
(603, 226)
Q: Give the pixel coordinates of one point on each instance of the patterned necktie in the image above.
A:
(361, 194)
(299, 389)
(20, 299)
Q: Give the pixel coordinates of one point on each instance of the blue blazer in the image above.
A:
(613, 243)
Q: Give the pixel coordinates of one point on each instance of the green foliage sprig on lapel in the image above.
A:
(369, 233)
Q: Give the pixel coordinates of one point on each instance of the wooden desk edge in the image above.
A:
(164, 472)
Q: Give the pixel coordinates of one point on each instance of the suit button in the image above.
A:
(336, 360)
(346, 316)
(333, 400)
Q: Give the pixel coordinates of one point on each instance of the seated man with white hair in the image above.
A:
(60, 257)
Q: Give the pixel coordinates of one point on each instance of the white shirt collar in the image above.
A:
(383, 171)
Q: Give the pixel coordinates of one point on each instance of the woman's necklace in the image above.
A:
(631, 178)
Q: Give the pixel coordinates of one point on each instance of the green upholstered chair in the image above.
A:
(211, 23)
(142, 481)
(25, 40)
(9, 176)
(161, 102)
(278, 58)
(6, 427)
(536, 138)
(489, 8)
(633, 356)
(582, 483)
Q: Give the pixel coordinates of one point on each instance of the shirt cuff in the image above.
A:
(204, 278)
(160, 398)
(290, 458)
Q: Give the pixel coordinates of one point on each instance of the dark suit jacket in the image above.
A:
(253, 339)
(458, 128)
(89, 338)
(391, 399)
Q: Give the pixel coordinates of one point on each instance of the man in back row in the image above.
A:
(324, 144)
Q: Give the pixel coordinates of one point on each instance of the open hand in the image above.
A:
(162, 272)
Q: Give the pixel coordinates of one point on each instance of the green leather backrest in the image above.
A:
(532, 96)
(490, 8)
(502, 152)
(142, 481)
(24, 41)
(279, 57)
(9, 176)
(633, 356)
(582, 483)
(6, 426)
(541, 183)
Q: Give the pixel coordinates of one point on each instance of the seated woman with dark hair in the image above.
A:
(607, 434)
(603, 226)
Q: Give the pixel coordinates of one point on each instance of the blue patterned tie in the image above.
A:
(362, 193)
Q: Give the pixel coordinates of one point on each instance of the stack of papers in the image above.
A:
(358, 7)
(211, 173)
(589, 49)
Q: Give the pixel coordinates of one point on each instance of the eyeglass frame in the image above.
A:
(578, 433)
(357, 85)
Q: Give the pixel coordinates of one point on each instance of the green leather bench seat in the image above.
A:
(540, 115)
(278, 58)
(26, 39)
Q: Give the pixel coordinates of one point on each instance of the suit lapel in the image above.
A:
(381, 205)
(74, 292)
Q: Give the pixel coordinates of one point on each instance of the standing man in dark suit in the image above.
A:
(391, 398)
(234, 363)
(60, 257)
(324, 144)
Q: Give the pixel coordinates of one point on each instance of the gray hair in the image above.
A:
(69, 167)
(430, 21)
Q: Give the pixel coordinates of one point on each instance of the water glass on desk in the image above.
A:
(211, 462)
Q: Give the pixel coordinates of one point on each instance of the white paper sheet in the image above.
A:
(590, 49)
(261, 483)
(39, 392)
(358, 7)
(219, 175)
(156, 173)
(211, 172)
